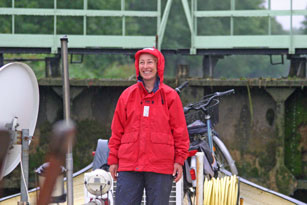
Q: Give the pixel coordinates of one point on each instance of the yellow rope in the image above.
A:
(221, 191)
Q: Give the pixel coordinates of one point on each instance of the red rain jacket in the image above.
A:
(148, 141)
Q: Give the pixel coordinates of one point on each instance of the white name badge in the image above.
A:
(146, 111)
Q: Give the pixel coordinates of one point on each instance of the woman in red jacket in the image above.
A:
(149, 141)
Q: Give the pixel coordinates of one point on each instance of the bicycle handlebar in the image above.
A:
(205, 102)
(180, 87)
(228, 92)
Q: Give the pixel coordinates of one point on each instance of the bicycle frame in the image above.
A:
(209, 131)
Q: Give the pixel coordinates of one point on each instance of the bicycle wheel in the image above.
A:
(223, 156)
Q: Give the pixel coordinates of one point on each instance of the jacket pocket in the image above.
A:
(162, 148)
(128, 147)
(129, 137)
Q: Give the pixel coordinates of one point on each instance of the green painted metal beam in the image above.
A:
(122, 7)
(249, 13)
(163, 22)
(76, 41)
(159, 15)
(194, 25)
(255, 41)
(75, 12)
(188, 15)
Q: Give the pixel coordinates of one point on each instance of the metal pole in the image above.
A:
(194, 25)
(292, 49)
(13, 18)
(54, 48)
(200, 178)
(66, 105)
(84, 17)
(123, 18)
(179, 192)
(232, 8)
(25, 167)
(270, 21)
(159, 15)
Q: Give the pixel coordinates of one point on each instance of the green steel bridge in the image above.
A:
(292, 45)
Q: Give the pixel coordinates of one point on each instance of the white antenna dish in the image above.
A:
(19, 98)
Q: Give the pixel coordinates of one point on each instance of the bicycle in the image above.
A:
(201, 118)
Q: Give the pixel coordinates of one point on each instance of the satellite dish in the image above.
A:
(19, 96)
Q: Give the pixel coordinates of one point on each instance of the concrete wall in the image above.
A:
(251, 124)
(264, 129)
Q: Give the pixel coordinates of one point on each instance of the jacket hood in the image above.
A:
(155, 52)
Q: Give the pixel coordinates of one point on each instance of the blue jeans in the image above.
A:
(130, 187)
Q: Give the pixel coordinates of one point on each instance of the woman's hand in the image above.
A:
(113, 170)
(177, 174)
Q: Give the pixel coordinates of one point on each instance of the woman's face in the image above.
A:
(148, 67)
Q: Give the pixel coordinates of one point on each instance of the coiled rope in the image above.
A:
(221, 191)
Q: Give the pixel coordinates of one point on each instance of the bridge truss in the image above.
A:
(291, 44)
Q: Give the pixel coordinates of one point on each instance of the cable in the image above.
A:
(24, 180)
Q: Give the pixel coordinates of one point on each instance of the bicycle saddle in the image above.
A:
(197, 127)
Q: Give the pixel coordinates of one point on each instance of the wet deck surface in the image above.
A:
(251, 195)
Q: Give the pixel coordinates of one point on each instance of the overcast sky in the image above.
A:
(285, 5)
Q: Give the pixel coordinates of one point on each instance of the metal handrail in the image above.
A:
(52, 39)
(231, 41)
